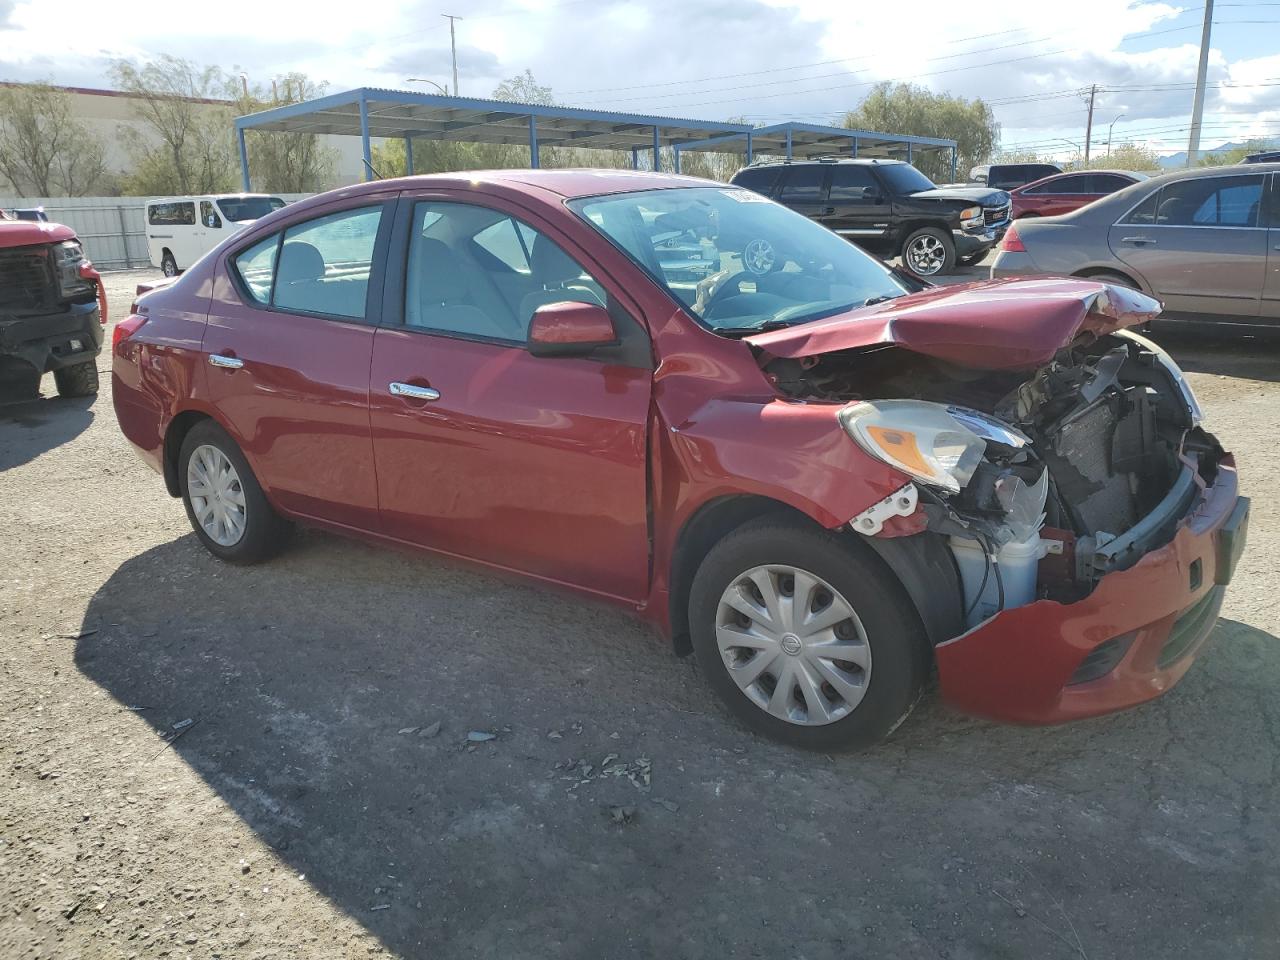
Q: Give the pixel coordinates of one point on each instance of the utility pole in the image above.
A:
(1197, 106)
(1088, 130)
(453, 44)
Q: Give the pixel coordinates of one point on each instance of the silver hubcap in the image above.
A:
(217, 497)
(170, 268)
(793, 645)
(758, 257)
(926, 255)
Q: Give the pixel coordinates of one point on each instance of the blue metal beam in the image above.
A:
(657, 144)
(635, 158)
(955, 157)
(748, 148)
(855, 146)
(244, 159)
(364, 139)
(908, 151)
(535, 161)
(675, 150)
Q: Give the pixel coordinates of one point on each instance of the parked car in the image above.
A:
(819, 483)
(1064, 192)
(888, 207)
(1203, 241)
(52, 309)
(181, 230)
(30, 213)
(1267, 156)
(1009, 176)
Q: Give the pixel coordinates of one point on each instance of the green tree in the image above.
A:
(285, 162)
(44, 150)
(1234, 155)
(1123, 156)
(183, 107)
(918, 111)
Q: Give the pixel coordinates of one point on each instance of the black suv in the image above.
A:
(888, 207)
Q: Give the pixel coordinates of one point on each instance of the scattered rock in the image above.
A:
(555, 735)
(405, 731)
(622, 815)
(183, 724)
(670, 805)
(381, 906)
(430, 731)
(481, 736)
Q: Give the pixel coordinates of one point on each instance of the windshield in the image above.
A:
(241, 209)
(904, 178)
(737, 261)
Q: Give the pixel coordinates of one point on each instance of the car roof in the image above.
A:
(566, 183)
(211, 196)
(795, 162)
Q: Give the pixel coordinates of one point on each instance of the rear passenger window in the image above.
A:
(324, 264)
(803, 184)
(1145, 212)
(256, 267)
(760, 179)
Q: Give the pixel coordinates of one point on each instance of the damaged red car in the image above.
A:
(820, 477)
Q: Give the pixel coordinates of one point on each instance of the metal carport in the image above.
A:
(369, 112)
(793, 139)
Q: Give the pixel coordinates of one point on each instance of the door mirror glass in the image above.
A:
(570, 329)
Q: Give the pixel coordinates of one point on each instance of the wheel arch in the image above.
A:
(916, 223)
(174, 434)
(1088, 272)
(922, 564)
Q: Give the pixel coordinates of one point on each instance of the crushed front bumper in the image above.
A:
(50, 341)
(1129, 641)
(968, 244)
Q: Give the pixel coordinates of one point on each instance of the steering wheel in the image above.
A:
(759, 257)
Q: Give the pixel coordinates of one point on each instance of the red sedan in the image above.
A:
(1064, 192)
(802, 466)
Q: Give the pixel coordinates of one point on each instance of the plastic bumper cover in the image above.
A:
(1142, 626)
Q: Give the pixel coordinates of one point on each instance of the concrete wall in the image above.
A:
(111, 229)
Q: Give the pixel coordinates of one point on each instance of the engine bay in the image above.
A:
(1086, 463)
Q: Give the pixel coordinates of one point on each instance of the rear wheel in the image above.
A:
(225, 504)
(928, 252)
(168, 266)
(78, 380)
(804, 638)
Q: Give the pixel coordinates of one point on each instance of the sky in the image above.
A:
(766, 60)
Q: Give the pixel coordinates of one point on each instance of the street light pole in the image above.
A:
(453, 45)
(1109, 127)
(444, 90)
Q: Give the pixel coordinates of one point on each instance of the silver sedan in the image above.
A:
(1206, 242)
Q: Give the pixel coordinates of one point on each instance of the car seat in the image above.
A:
(559, 279)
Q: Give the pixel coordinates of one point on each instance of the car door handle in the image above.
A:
(828, 211)
(1139, 240)
(413, 391)
(230, 363)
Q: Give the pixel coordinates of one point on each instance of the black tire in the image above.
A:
(948, 251)
(900, 653)
(78, 380)
(265, 531)
(168, 266)
(1119, 279)
(973, 259)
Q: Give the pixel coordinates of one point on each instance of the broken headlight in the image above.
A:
(67, 259)
(923, 440)
(1175, 372)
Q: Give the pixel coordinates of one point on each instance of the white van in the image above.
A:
(181, 230)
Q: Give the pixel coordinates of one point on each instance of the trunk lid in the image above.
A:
(989, 325)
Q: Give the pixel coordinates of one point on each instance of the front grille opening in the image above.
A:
(1103, 659)
(1192, 626)
(26, 278)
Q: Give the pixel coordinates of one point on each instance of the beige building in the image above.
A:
(106, 113)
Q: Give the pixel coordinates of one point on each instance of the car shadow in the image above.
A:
(613, 793)
(29, 428)
(1249, 356)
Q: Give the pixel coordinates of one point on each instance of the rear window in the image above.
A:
(242, 209)
(760, 179)
(804, 184)
(182, 213)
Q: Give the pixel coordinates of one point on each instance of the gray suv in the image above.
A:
(1205, 242)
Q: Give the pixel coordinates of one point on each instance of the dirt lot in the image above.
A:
(324, 801)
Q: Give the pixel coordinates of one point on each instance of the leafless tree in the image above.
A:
(44, 150)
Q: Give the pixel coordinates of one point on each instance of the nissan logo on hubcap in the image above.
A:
(791, 644)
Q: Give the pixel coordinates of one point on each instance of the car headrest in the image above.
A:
(440, 272)
(299, 261)
(549, 264)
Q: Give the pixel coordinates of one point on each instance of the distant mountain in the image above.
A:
(1176, 160)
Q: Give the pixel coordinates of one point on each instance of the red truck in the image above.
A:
(52, 310)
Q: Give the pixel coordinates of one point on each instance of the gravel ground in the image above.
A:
(322, 798)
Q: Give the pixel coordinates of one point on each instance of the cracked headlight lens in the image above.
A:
(921, 439)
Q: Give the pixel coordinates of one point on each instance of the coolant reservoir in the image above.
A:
(1019, 562)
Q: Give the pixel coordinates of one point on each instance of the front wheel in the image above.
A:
(928, 252)
(225, 504)
(805, 638)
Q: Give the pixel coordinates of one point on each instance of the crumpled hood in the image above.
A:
(989, 325)
(26, 233)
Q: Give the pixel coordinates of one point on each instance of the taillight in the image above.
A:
(126, 328)
(1012, 243)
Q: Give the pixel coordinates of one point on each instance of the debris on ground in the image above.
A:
(579, 771)
(405, 731)
(430, 730)
(481, 736)
(183, 724)
(669, 805)
(622, 815)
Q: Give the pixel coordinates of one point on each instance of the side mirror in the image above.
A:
(570, 329)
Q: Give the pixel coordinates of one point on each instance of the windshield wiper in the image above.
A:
(872, 301)
(762, 327)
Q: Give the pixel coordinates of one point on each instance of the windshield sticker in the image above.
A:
(745, 196)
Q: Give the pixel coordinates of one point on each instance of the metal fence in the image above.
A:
(111, 229)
